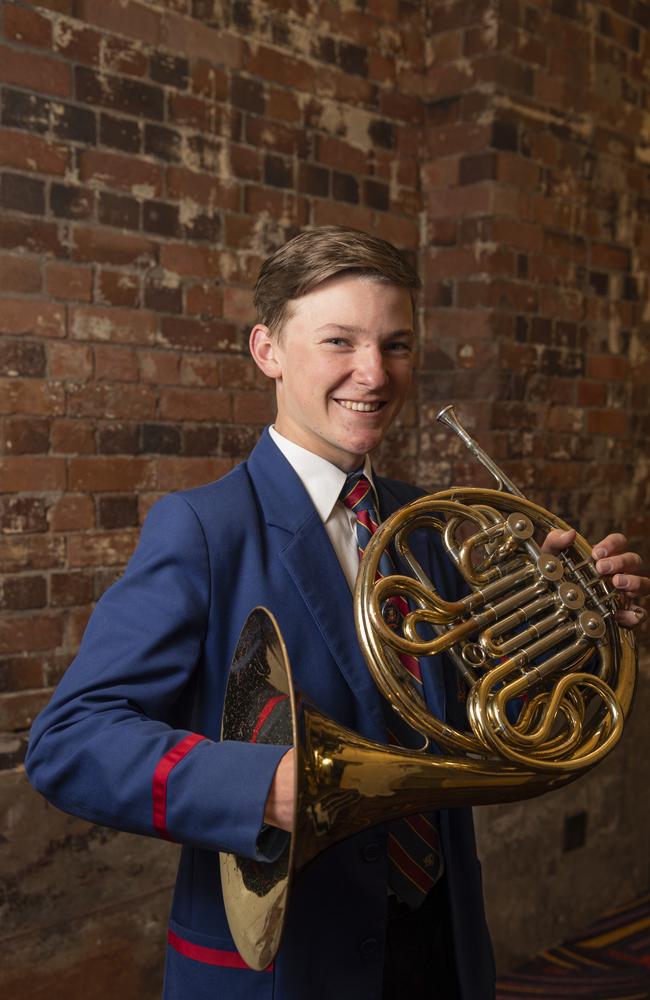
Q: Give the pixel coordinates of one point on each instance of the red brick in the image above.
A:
(77, 43)
(206, 189)
(22, 24)
(337, 153)
(25, 436)
(68, 589)
(76, 623)
(20, 593)
(65, 281)
(327, 213)
(190, 261)
(159, 367)
(609, 257)
(283, 104)
(72, 513)
(117, 326)
(238, 305)
(70, 360)
(187, 110)
(194, 404)
(35, 72)
(591, 393)
(116, 364)
(109, 474)
(271, 64)
(21, 316)
(202, 370)
(607, 366)
(607, 422)
(104, 246)
(19, 274)
(30, 152)
(204, 300)
(185, 473)
(18, 710)
(112, 402)
(35, 396)
(102, 548)
(253, 407)
(242, 373)
(190, 36)
(132, 19)
(31, 473)
(120, 56)
(118, 288)
(38, 551)
(127, 173)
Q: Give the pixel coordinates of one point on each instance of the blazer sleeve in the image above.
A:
(106, 747)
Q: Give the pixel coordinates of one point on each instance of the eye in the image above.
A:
(399, 347)
(337, 341)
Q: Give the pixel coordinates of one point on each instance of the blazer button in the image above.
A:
(369, 947)
(371, 852)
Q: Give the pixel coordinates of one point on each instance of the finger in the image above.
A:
(635, 586)
(631, 617)
(627, 562)
(610, 545)
(557, 540)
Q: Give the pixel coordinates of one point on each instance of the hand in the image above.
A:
(279, 809)
(612, 560)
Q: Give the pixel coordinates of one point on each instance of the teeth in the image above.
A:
(351, 404)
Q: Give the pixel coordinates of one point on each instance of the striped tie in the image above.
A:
(413, 845)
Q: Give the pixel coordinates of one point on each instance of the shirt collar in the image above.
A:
(322, 480)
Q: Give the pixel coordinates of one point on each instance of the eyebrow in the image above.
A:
(407, 332)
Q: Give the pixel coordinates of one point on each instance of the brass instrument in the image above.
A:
(521, 637)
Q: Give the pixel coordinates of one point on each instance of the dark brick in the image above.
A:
(117, 511)
(504, 135)
(345, 187)
(118, 210)
(119, 92)
(75, 124)
(69, 202)
(23, 194)
(22, 358)
(630, 288)
(444, 111)
(522, 265)
(242, 15)
(162, 298)
(248, 95)
(162, 142)
(203, 227)
(541, 330)
(201, 440)
(376, 195)
(169, 69)
(26, 436)
(103, 579)
(117, 439)
(481, 167)
(353, 58)
(22, 515)
(641, 13)
(277, 171)
(566, 8)
(599, 282)
(325, 50)
(69, 589)
(21, 592)
(160, 439)
(238, 441)
(382, 133)
(159, 217)
(25, 111)
(280, 32)
(314, 180)
(521, 329)
(120, 133)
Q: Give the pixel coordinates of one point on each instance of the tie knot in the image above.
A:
(357, 492)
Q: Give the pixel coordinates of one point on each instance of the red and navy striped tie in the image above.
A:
(413, 844)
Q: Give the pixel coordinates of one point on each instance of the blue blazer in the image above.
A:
(130, 738)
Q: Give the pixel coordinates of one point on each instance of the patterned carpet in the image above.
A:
(608, 961)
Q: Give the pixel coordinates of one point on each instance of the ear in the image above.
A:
(263, 346)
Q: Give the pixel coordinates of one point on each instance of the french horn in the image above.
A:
(550, 678)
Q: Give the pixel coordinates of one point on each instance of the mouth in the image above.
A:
(359, 407)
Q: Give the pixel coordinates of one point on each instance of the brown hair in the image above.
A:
(315, 255)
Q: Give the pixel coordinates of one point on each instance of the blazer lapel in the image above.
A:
(311, 562)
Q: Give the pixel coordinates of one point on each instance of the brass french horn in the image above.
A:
(535, 632)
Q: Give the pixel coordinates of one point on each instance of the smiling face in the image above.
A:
(342, 366)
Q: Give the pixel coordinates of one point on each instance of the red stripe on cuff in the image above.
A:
(264, 714)
(209, 956)
(164, 768)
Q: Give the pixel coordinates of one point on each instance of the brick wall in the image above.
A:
(151, 155)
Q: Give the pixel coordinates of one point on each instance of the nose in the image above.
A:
(370, 369)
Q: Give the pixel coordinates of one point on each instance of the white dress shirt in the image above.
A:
(323, 483)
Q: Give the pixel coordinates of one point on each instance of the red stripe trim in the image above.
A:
(357, 493)
(164, 768)
(408, 866)
(264, 714)
(209, 956)
(424, 829)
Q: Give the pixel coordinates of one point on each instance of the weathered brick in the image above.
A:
(123, 326)
(94, 244)
(22, 194)
(22, 357)
(24, 151)
(162, 142)
(133, 19)
(20, 593)
(35, 472)
(76, 42)
(25, 111)
(73, 512)
(74, 123)
(169, 69)
(117, 210)
(194, 404)
(115, 364)
(118, 439)
(117, 511)
(127, 173)
(71, 202)
(19, 274)
(35, 72)
(72, 437)
(196, 334)
(160, 367)
(247, 94)
(117, 288)
(119, 93)
(120, 133)
(25, 435)
(37, 397)
(67, 281)
(102, 548)
(160, 439)
(185, 473)
(345, 187)
(161, 218)
(109, 474)
(69, 589)
(25, 25)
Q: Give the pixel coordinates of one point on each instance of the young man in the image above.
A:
(131, 737)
